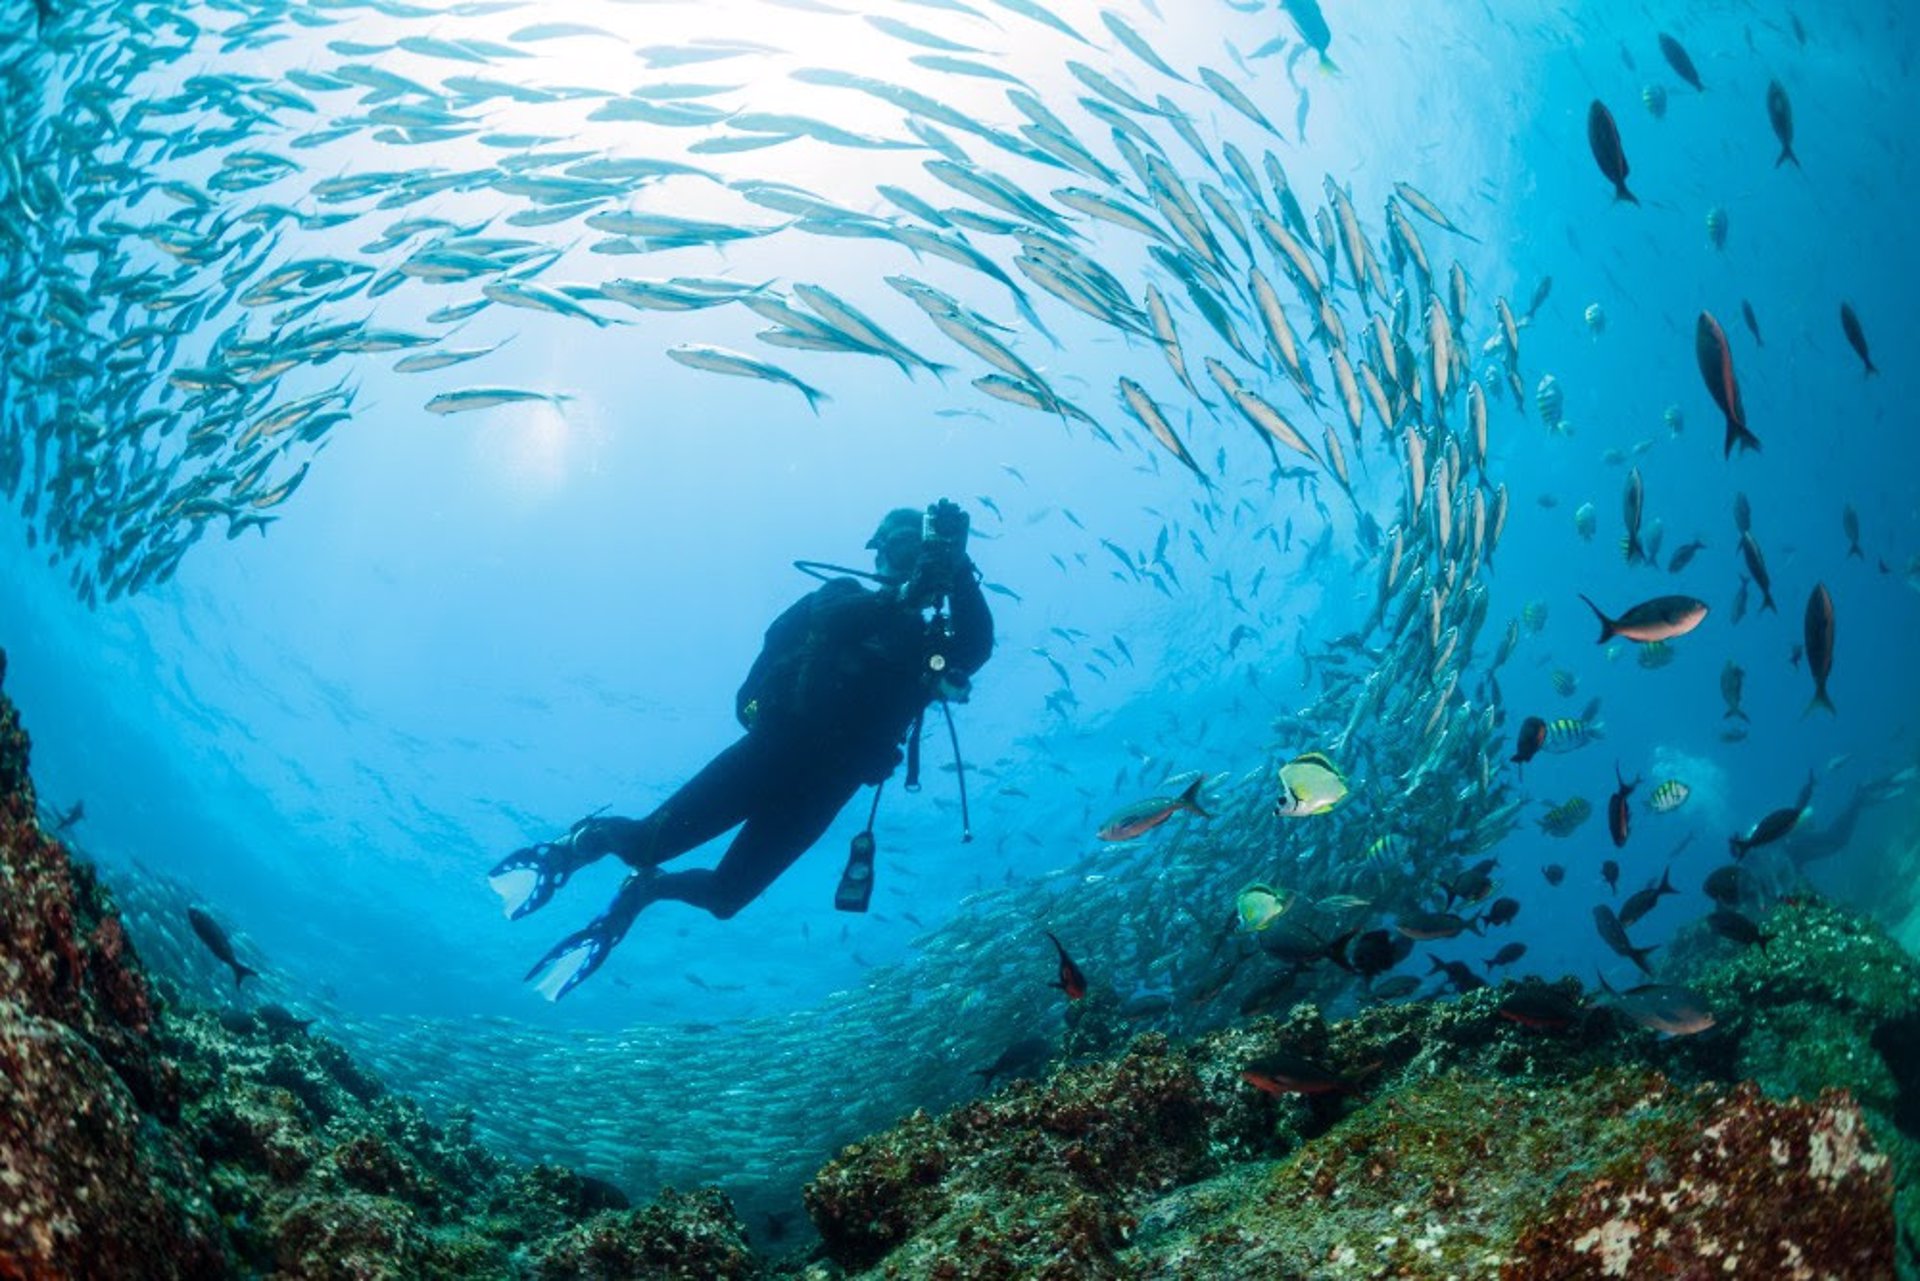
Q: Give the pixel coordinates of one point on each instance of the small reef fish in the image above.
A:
(1603, 135)
(1715, 358)
(1287, 1073)
(1258, 906)
(1663, 1007)
(1619, 817)
(1819, 644)
(1732, 679)
(1071, 980)
(1309, 784)
(1662, 618)
(1780, 116)
(1614, 935)
(1856, 336)
(1566, 818)
(1670, 796)
(1143, 816)
(1677, 58)
(218, 943)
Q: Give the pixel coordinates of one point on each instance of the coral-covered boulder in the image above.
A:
(681, 1237)
(89, 1186)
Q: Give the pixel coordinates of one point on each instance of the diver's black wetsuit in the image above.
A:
(839, 680)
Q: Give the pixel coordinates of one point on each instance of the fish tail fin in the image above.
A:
(1786, 154)
(1607, 629)
(241, 972)
(1328, 67)
(1821, 701)
(1854, 552)
(1737, 434)
(1337, 951)
(1736, 847)
(814, 396)
(1191, 797)
(1872, 369)
(1640, 955)
(1666, 882)
(1766, 601)
(1620, 193)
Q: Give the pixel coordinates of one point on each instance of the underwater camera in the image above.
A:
(943, 541)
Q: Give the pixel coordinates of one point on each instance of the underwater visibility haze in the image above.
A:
(413, 414)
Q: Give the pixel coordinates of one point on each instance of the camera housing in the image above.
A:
(943, 541)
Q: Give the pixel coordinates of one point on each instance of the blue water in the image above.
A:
(463, 633)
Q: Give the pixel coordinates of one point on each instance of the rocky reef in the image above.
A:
(140, 1137)
(1442, 1139)
(143, 1136)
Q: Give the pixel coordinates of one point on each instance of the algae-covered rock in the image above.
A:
(681, 1237)
(142, 1138)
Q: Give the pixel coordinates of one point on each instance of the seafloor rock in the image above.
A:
(141, 1138)
(1475, 1148)
(693, 1237)
(88, 1186)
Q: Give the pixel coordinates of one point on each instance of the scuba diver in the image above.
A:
(844, 676)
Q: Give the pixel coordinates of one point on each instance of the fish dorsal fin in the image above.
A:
(1316, 758)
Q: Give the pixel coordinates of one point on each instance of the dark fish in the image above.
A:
(1020, 1058)
(1506, 955)
(1554, 873)
(217, 942)
(280, 1019)
(1394, 988)
(1733, 678)
(1726, 885)
(1614, 935)
(1640, 902)
(1740, 599)
(1753, 325)
(1371, 953)
(1300, 938)
(1677, 59)
(1730, 924)
(1683, 556)
(1071, 981)
(1757, 567)
(1856, 335)
(1269, 995)
(1610, 873)
(1604, 137)
(1819, 643)
(1780, 113)
(1742, 512)
(1540, 292)
(1677, 1011)
(1767, 830)
(1850, 522)
(1284, 1072)
(1536, 1005)
(1502, 911)
(1471, 885)
(1531, 738)
(1429, 926)
(1458, 973)
(1662, 618)
(1716, 367)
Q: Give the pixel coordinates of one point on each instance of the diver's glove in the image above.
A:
(572, 960)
